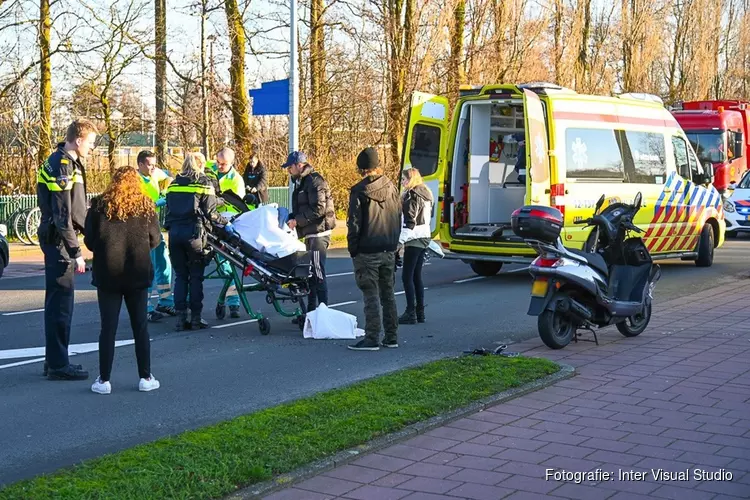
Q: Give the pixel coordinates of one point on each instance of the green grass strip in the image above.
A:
(214, 461)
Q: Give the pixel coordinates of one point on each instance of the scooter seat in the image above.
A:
(594, 259)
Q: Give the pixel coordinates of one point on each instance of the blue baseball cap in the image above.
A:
(294, 158)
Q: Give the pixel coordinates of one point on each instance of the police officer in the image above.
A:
(61, 194)
(154, 182)
(191, 208)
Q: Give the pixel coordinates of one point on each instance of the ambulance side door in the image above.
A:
(425, 146)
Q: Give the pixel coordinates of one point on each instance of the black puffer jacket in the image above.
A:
(374, 218)
(312, 204)
(122, 249)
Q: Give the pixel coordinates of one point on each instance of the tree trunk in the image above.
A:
(317, 75)
(401, 53)
(111, 144)
(240, 109)
(455, 69)
(627, 41)
(582, 61)
(558, 41)
(161, 82)
(45, 83)
(204, 93)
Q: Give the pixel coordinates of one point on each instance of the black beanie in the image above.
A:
(368, 160)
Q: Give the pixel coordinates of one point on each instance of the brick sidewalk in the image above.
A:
(675, 398)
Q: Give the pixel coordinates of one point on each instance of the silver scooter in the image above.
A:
(574, 289)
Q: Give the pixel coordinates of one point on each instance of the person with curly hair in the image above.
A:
(121, 229)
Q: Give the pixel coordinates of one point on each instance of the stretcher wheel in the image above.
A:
(269, 299)
(221, 311)
(265, 326)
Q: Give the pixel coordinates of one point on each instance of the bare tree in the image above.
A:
(45, 82)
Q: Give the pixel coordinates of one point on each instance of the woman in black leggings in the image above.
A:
(415, 237)
(121, 229)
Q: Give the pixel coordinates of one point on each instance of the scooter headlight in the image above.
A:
(729, 207)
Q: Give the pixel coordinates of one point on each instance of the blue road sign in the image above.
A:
(272, 98)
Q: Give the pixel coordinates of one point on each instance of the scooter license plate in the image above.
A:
(539, 288)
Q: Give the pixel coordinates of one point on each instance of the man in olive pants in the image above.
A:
(374, 225)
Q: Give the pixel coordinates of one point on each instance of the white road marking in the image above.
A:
(339, 274)
(73, 349)
(18, 313)
(475, 278)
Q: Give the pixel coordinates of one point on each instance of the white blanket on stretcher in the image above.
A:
(260, 229)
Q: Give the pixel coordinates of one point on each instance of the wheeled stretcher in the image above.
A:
(282, 279)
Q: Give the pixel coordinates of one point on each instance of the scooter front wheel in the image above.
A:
(555, 329)
(635, 325)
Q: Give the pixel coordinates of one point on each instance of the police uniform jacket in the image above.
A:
(61, 193)
(190, 209)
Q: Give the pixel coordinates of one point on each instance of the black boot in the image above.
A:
(182, 321)
(197, 323)
(408, 318)
(420, 314)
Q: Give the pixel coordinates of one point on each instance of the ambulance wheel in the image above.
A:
(706, 247)
(221, 311)
(485, 268)
(265, 326)
(555, 329)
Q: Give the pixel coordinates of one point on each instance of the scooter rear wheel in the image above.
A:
(635, 325)
(555, 329)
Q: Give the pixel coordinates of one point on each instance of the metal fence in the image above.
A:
(9, 204)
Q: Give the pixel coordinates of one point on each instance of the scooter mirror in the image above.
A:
(599, 204)
(637, 202)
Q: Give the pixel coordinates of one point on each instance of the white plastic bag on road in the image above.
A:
(327, 323)
(260, 228)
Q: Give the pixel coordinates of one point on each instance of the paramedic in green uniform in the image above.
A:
(152, 178)
(229, 180)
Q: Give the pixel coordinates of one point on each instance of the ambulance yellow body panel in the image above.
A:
(573, 148)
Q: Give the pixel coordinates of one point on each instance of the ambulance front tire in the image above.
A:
(485, 268)
(706, 247)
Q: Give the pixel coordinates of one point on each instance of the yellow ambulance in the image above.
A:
(506, 146)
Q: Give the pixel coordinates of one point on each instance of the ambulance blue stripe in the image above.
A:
(703, 195)
(670, 203)
(663, 192)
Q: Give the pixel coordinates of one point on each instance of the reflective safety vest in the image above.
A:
(150, 185)
(193, 188)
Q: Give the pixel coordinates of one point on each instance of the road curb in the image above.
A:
(343, 457)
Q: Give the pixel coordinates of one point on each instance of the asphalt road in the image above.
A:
(216, 374)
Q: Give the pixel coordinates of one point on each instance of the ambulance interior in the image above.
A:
(486, 187)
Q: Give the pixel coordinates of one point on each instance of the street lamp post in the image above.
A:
(293, 89)
(293, 81)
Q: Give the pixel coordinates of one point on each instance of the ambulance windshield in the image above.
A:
(709, 146)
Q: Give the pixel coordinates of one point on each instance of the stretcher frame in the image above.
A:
(277, 290)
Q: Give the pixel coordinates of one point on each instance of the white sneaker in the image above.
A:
(100, 387)
(148, 384)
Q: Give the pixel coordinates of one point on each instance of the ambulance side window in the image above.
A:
(681, 156)
(645, 156)
(425, 148)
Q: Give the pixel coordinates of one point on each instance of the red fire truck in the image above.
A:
(719, 133)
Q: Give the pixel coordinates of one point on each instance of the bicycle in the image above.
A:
(31, 226)
(17, 220)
